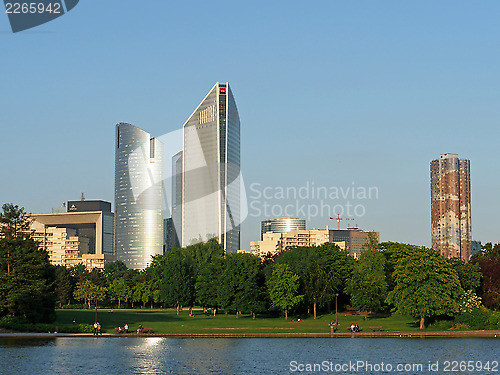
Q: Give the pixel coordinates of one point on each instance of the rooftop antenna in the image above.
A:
(83, 197)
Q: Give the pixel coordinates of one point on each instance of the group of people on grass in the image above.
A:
(354, 328)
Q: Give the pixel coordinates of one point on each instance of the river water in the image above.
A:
(143, 355)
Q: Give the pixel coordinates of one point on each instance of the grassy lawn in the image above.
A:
(166, 321)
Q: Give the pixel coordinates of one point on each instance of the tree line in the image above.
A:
(388, 276)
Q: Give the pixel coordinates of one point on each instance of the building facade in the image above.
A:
(274, 243)
(175, 231)
(451, 206)
(354, 238)
(139, 208)
(72, 238)
(281, 225)
(211, 171)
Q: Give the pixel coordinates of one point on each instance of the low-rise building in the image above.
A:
(355, 239)
(273, 243)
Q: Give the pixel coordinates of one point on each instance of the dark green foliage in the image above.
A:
(426, 285)
(64, 285)
(323, 271)
(476, 319)
(114, 270)
(488, 261)
(207, 283)
(238, 284)
(469, 274)
(367, 286)
(173, 276)
(26, 277)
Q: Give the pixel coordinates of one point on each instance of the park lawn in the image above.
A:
(166, 321)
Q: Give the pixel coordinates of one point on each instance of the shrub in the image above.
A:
(441, 325)
(475, 319)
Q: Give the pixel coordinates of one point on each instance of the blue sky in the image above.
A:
(329, 92)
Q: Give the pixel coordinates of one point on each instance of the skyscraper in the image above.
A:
(450, 206)
(211, 171)
(138, 196)
(281, 225)
(176, 230)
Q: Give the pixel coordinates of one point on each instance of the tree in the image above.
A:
(15, 223)
(26, 276)
(367, 286)
(322, 271)
(488, 260)
(207, 283)
(426, 286)
(238, 288)
(469, 274)
(114, 270)
(173, 276)
(64, 286)
(119, 290)
(142, 293)
(89, 292)
(283, 288)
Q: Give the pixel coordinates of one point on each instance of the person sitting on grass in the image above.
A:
(140, 329)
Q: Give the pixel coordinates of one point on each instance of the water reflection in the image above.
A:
(137, 355)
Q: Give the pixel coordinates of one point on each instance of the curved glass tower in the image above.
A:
(211, 171)
(138, 196)
(281, 225)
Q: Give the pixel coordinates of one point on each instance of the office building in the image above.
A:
(211, 171)
(175, 229)
(274, 243)
(354, 238)
(88, 230)
(475, 247)
(281, 225)
(71, 238)
(450, 206)
(139, 209)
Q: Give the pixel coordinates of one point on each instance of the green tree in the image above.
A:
(238, 284)
(173, 275)
(64, 285)
(469, 274)
(114, 270)
(89, 292)
(207, 283)
(488, 260)
(119, 290)
(142, 292)
(283, 288)
(323, 271)
(26, 276)
(426, 286)
(368, 287)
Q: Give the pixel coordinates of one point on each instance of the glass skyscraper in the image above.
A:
(139, 191)
(211, 171)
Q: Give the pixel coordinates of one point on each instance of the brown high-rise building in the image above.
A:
(450, 206)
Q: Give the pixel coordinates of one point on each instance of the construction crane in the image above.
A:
(338, 218)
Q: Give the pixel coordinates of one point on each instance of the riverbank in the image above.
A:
(394, 334)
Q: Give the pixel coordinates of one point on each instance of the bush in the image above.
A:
(440, 325)
(476, 319)
(21, 325)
